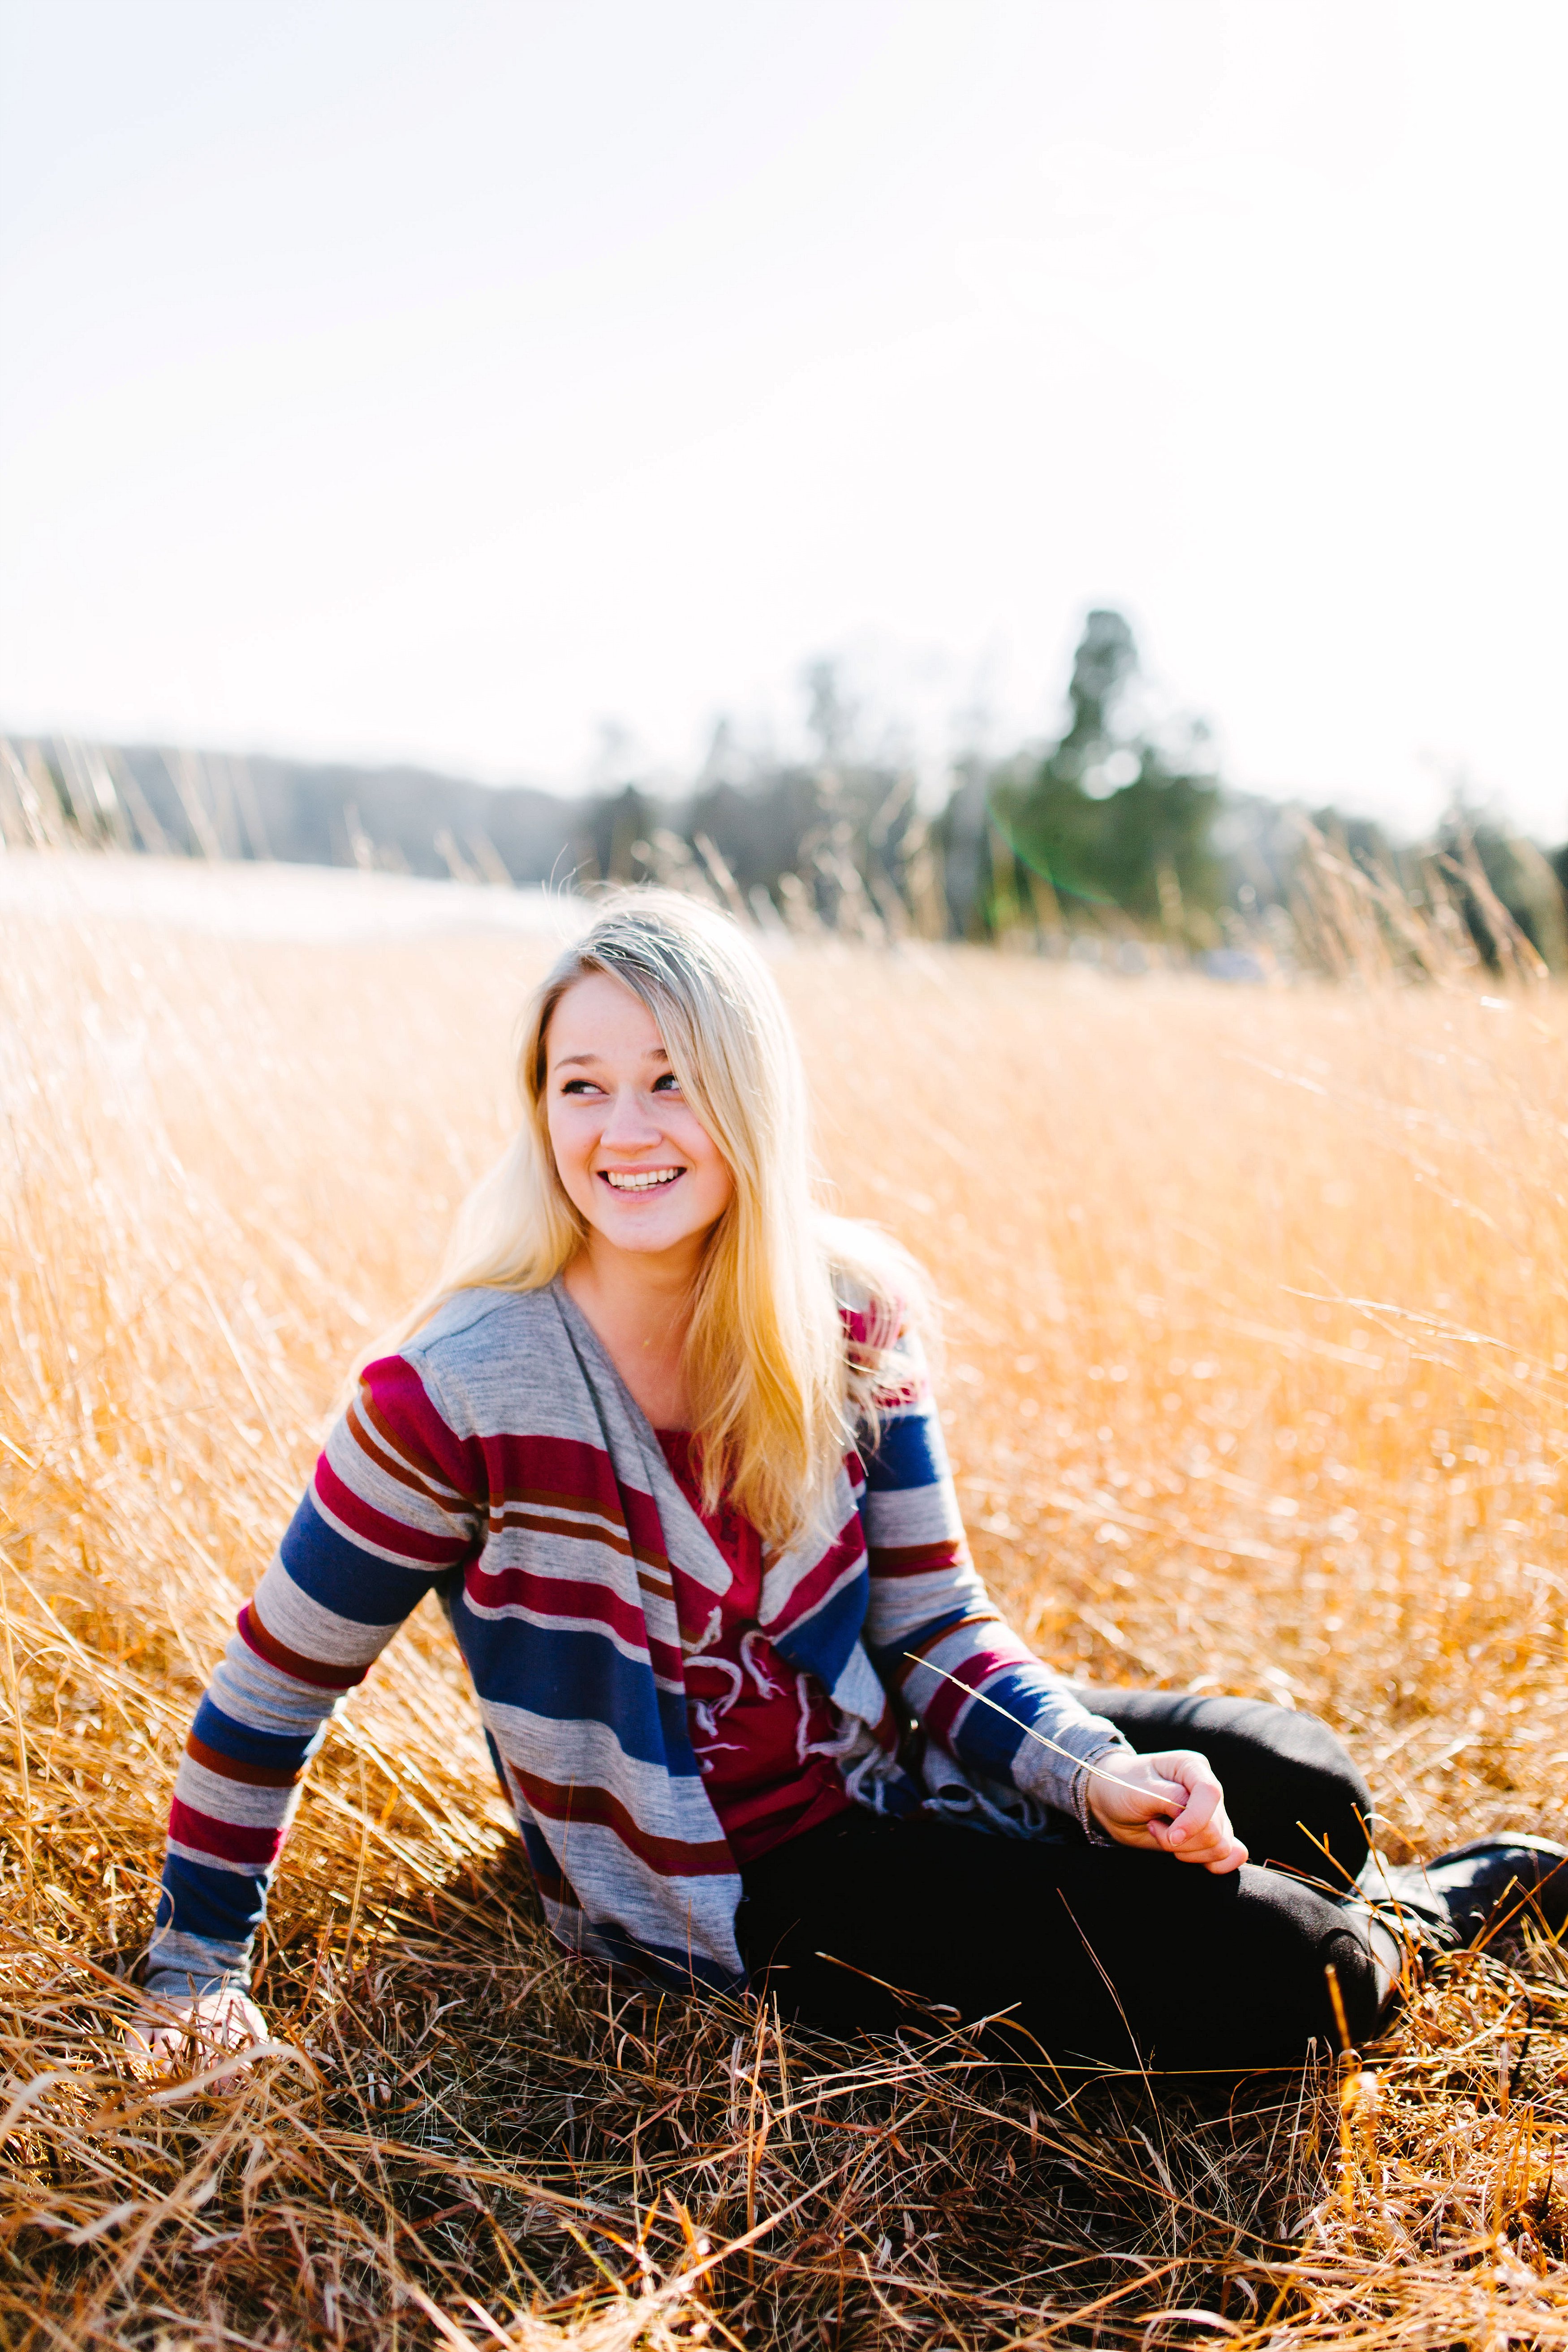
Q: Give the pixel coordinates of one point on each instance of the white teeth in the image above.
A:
(630, 1180)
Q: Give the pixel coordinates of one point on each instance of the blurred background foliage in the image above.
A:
(1117, 841)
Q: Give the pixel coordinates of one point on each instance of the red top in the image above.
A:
(755, 1722)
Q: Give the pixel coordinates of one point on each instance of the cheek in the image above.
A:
(564, 1143)
(710, 1162)
(717, 1180)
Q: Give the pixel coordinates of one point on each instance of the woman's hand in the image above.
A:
(195, 2037)
(1171, 1802)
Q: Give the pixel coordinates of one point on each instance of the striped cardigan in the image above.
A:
(499, 1460)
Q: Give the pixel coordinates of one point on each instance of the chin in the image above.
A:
(630, 1230)
(643, 1236)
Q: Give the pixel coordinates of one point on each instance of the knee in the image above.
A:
(1315, 1757)
(1308, 1740)
(1308, 1948)
(1347, 1952)
(1312, 1748)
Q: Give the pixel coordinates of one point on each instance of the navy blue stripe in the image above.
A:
(342, 1578)
(226, 1906)
(985, 1738)
(541, 1858)
(573, 1676)
(891, 1658)
(273, 1750)
(668, 1965)
(501, 1773)
(910, 1453)
(825, 1642)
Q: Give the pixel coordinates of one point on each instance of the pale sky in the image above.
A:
(449, 380)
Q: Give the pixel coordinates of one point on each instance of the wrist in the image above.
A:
(1091, 1795)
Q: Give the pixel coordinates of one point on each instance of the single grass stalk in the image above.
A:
(1041, 1739)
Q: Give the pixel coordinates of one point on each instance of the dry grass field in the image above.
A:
(1256, 1378)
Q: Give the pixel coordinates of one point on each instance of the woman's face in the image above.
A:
(627, 1144)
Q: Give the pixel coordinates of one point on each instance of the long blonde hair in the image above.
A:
(776, 1386)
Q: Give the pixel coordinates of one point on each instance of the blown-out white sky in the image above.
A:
(449, 379)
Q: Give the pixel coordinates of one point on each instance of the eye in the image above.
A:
(579, 1087)
(667, 1084)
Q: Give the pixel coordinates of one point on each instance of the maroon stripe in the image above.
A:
(558, 1498)
(372, 1527)
(544, 1499)
(567, 1596)
(945, 1632)
(229, 1840)
(596, 1808)
(940, 1709)
(288, 1662)
(395, 1399)
(846, 1551)
(917, 1560)
(524, 1466)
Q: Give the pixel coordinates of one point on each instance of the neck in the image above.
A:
(639, 1285)
(639, 1304)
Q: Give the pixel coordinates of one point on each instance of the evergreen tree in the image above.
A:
(1111, 814)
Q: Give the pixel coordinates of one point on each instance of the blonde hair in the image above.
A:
(777, 1385)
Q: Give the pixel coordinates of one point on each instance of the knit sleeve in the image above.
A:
(936, 1638)
(396, 1502)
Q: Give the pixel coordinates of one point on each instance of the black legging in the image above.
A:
(1099, 1953)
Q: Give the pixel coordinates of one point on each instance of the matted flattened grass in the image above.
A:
(1255, 1356)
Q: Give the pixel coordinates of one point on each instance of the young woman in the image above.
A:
(663, 1446)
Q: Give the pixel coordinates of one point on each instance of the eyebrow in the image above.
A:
(576, 1061)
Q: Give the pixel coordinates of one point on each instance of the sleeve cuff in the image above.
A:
(169, 1984)
(182, 1965)
(1081, 1781)
(1054, 1773)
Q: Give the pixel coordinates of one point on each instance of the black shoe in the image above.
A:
(1455, 1900)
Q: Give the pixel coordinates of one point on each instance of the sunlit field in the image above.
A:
(1257, 1380)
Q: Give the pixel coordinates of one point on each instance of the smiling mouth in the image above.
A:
(640, 1179)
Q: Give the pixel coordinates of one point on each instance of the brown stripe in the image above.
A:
(510, 1520)
(254, 1776)
(312, 1671)
(547, 1499)
(555, 1498)
(393, 1464)
(919, 1649)
(670, 1857)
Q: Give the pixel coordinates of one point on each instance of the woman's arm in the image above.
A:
(394, 1502)
(938, 1640)
(979, 1691)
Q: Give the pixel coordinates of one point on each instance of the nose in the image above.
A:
(629, 1125)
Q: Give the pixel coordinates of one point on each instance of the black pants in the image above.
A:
(1098, 1953)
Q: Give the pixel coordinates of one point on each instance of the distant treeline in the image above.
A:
(1118, 836)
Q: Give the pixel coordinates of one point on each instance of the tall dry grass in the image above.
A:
(1256, 1346)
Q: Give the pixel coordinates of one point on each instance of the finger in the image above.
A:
(1159, 1803)
(1201, 1793)
(1158, 1830)
(1217, 1845)
(1214, 1844)
(1195, 1816)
